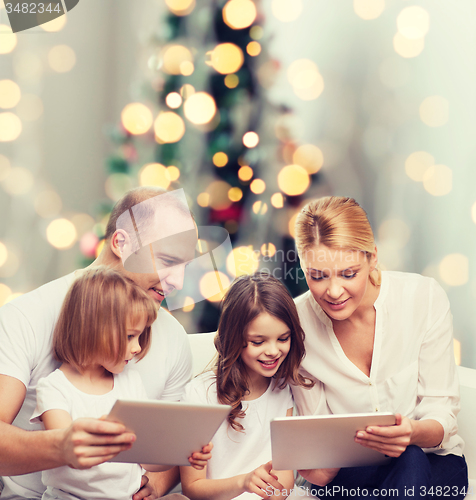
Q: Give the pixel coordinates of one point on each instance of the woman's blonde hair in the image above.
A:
(92, 324)
(336, 222)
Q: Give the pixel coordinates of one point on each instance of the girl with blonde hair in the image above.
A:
(104, 324)
(377, 341)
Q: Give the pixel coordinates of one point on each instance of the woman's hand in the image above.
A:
(321, 477)
(262, 481)
(391, 440)
(199, 459)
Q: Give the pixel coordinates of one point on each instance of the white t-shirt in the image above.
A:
(237, 452)
(26, 328)
(413, 369)
(114, 481)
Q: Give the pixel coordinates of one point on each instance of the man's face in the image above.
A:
(159, 267)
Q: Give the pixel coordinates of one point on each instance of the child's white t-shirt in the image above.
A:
(237, 452)
(115, 481)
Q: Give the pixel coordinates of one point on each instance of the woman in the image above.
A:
(377, 341)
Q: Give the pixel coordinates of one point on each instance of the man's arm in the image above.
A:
(86, 442)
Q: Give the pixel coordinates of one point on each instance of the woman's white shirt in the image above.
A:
(413, 369)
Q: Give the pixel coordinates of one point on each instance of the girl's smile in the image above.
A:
(269, 341)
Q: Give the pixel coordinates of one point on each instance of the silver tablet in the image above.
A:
(322, 441)
(167, 432)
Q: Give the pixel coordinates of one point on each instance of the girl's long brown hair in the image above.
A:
(248, 297)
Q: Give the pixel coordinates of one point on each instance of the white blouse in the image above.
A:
(413, 369)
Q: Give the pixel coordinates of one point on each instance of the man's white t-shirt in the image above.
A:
(26, 329)
(236, 452)
(413, 369)
(115, 481)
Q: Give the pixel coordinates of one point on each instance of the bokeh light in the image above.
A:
(239, 14)
(137, 118)
(258, 186)
(454, 269)
(174, 173)
(10, 94)
(203, 199)
(5, 292)
(369, 9)
(256, 32)
(173, 56)
(61, 234)
(100, 248)
(310, 157)
(19, 181)
(173, 100)
(253, 49)
(200, 108)
(277, 200)
(30, 108)
(226, 58)
(169, 127)
(438, 180)
(55, 25)
(304, 76)
(10, 126)
(242, 260)
(188, 304)
(417, 164)
(61, 58)
(434, 111)
(48, 203)
(213, 285)
(154, 174)
(286, 11)
(408, 48)
(187, 68)
(251, 139)
(218, 192)
(259, 207)
(117, 185)
(232, 81)
(187, 90)
(413, 22)
(88, 244)
(245, 173)
(180, 7)
(3, 254)
(473, 212)
(293, 180)
(268, 250)
(291, 225)
(8, 38)
(457, 351)
(220, 159)
(235, 194)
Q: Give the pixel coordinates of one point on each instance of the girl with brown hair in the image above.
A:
(260, 345)
(377, 341)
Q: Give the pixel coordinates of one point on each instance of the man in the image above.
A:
(143, 218)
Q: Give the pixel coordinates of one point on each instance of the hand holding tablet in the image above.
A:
(167, 432)
(324, 441)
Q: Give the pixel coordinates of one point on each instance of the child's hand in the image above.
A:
(199, 459)
(262, 481)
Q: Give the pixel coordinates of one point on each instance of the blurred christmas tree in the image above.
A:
(216, 135)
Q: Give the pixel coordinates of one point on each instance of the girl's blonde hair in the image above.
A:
(94, 317)
(336, 222)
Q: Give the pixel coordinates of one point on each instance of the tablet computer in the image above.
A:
(167, 432)
(322, 441)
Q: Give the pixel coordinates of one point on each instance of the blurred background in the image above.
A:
(253, 108)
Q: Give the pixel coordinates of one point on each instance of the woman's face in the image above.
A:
(338, 279)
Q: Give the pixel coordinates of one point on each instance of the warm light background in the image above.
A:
(384, 101)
